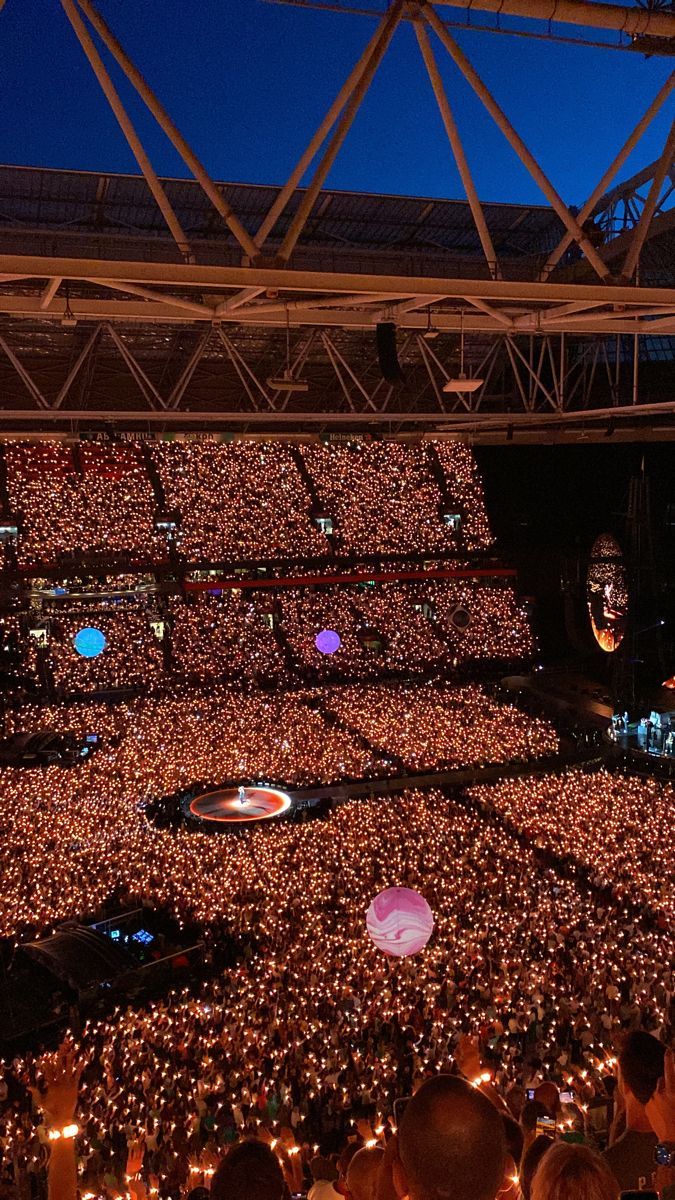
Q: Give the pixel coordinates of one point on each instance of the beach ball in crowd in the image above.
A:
(328, 641)
(89, 642)
(400, 921)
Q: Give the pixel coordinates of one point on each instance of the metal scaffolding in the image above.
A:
(184, 315)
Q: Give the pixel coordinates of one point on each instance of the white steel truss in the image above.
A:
(588, 287)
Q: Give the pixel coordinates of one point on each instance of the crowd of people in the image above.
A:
(132, 656)
(269, 635)
(619, 826)
(314, 1031)
(383, 496)
(228, 636)
(242, 501)
(238, 501)
(434, 727)
(88, 818)
(79, 500)
(551, 955)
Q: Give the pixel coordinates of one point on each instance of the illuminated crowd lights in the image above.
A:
(103, 506)
(131, 656)
(236, 630)
(618, 826)
(383, 496)
(303, 1033)
(230, 636)
(438, 726)
(500, 625)
(242, 500)
(315, 1026)
(221, 636)
(88, 821)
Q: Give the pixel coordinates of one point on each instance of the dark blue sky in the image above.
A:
(247, 83)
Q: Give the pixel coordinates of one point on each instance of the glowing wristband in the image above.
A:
(68, 1131)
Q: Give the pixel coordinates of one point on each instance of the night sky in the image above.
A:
(247, 82)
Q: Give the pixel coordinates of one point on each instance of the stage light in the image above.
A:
(463, 384)
(286, 383)
(430, 333)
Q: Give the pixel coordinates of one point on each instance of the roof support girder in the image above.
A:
(633, 21)
(127, 312)
(209, 278)
(467, 421)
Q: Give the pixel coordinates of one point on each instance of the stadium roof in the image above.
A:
(172, 300)
(87, 214)
(122, 363)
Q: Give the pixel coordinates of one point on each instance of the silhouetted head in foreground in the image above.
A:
(451, 1144)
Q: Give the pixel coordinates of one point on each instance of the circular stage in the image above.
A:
(238, 806)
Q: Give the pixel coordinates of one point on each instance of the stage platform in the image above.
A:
(239, 805)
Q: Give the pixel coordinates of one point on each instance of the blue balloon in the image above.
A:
(89, 642)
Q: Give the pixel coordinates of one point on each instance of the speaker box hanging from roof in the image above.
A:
(385, 340)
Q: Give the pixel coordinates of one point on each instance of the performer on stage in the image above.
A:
(242, 795)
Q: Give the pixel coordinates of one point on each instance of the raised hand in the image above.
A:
(467, 1057)
(61, 1072)
(135, 1152)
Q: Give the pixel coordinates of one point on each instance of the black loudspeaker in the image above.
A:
(385, 340)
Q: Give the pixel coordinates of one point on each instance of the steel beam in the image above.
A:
(49, 292)
(135, 144)
(642, 228)
(596, 197)
(466, 421)
(386, 32)
(174, 135)
(27, 380)
(514, 139)
(199, 310)
(145, 385)
(633, 21)
(457, 148)
(129, 312)
(75, 369)
(210, 278)
(174, 399)
(345, 93)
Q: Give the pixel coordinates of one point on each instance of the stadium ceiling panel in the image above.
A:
(159, 300)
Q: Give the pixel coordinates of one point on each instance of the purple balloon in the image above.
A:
(327, 642)
(400, 921)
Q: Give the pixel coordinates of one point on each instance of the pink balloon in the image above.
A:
(400, 921)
